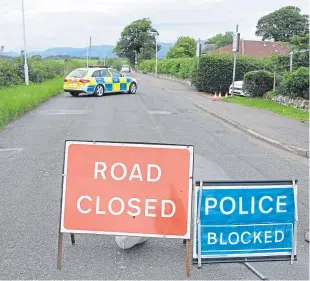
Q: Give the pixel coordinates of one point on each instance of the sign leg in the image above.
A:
(188, 256)
(59, 257)
(255, 271)
(72, 239)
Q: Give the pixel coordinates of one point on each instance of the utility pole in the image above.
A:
(87, 50)
(198, 51)
(90, 48)
(25, 53)
(156, 37)
(236, 44)
(291, 61)
(136, 62)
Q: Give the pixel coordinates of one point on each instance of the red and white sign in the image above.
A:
(127, 189)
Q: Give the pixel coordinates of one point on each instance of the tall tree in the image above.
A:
(283, 24)
(138, 36)
(221, 40)
(185, 47)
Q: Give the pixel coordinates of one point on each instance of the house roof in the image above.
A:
(258, 48)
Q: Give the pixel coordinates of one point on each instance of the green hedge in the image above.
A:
(257, 83)
(12, 70)
(181, 68)
(295, 84)
(215, 71)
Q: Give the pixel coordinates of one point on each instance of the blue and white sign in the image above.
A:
(238, 220)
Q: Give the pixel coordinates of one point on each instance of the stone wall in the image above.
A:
(297, 102)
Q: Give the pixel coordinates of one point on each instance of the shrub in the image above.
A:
(181, 67)
(270, 94)
(215, 71)
(12, 70)
(295, 84)
(257, 83)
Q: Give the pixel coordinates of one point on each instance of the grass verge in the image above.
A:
(16, 100)
(288, 111)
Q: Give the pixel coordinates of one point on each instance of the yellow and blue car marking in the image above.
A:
(88, 84)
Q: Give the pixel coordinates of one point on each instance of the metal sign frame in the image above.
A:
(199, 185)
(187, 237)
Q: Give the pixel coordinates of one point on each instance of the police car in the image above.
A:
(97, 81)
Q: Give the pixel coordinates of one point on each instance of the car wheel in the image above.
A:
(132, 88)
(74, 94)
(99, 91)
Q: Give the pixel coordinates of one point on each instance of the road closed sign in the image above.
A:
(245, 220)
(127, 189)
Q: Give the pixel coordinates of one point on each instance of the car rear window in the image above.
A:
(78, 73)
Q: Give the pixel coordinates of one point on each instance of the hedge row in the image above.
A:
(181, 68)
(295, 84)
(292, 84)
(12, 71)
(214, 73)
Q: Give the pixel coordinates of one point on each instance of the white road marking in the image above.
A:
(61, 112)
(173, 91)
(159, 112)
(11, 149)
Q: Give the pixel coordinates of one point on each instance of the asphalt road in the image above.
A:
(31, 157)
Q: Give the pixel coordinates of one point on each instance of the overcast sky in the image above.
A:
(69, 23)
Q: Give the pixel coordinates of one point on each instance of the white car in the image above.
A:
(125, 68)
(238, 89)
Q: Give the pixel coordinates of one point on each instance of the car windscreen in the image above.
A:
(78, 73)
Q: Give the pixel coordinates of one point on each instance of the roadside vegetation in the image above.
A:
(264, 79)
(261, 103)
(45, 79)
(16, 100)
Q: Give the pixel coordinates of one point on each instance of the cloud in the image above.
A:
(71, 22)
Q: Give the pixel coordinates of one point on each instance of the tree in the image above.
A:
(36, 57)
(300, 48)
(283, 24)
(185, 47)
(138, 36)
(221, 40)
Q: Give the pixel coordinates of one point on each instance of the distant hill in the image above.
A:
(96, 51)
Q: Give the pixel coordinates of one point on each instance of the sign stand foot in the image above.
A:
(188, 256)
(72, 239)
(255, 271)
(59, 256)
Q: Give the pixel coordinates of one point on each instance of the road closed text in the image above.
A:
(133, 207)
(120, 172)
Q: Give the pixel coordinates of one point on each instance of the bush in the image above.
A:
(12, 70)
(270, 94)
(295, 84)
(215, 71)
(257, 83)
(181, 68)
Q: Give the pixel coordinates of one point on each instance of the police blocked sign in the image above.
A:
(245, 219)
(127, 189)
